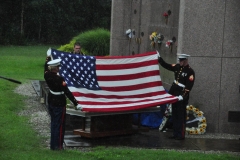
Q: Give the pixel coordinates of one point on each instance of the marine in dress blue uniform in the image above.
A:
(181, 87)
(58, 91)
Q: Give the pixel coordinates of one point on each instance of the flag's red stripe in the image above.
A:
(124, 57)
(138, 95)
(128, 76)
(129, 108)
(132, 87)
(126, 66)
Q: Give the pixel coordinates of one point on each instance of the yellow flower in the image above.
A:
(199, 114)
(196, 131)
(195, 110)
(191, 107)
(202, 130)
(154, 34)
(202, 120)
(202, 126)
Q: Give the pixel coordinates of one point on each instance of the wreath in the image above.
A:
(197, 116)
(165, 121)
(194, 113)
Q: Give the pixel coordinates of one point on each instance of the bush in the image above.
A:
(94, 42)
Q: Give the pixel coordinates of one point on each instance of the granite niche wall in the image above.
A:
(208, 30)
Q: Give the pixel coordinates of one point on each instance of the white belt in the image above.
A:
(56, 93)
(179, 84)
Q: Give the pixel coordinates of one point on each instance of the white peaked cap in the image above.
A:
(55, 62)
(181, 56)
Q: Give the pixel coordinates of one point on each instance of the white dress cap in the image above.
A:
(183, 56)
(55, 62)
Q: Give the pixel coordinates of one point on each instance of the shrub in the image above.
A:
(93, 42)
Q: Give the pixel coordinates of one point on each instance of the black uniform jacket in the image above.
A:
(57, 84)
(183, 75)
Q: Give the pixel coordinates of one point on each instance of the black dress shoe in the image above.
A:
(179, 138)
(172, 137)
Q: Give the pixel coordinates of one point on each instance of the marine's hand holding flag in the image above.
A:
(78, 107)
(158, 54)
(49, 52)
(180, 98)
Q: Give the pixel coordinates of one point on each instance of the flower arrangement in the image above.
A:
(198, 115)
(169, 43)
(166, 15)
(156, 38)
(130, 33)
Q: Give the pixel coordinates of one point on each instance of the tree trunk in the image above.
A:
(39, 31)
(22, 18)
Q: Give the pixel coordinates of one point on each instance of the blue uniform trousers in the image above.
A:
(179, 119)
(58, 118)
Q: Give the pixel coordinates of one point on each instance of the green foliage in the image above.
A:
(94, 42)
(50, 21)
(67, 47)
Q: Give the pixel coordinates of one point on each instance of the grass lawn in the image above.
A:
(19, 141)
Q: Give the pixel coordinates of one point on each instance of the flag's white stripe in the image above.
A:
(86, 99)
(126, 60)
(129, 82)
(128, 104)
(127, 71)
(122, 93)
(124, 83)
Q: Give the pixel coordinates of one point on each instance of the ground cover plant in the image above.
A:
(94, 42)
(18, 140)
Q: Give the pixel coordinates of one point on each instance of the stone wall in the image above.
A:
(208, 30)
(144, 17)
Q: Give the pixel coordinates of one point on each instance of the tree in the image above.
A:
(51, 21)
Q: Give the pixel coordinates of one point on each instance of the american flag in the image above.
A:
(113, 83)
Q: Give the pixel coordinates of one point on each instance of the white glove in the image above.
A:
(49, 52)
(78, 107)
(158, 54)
(180, 98)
